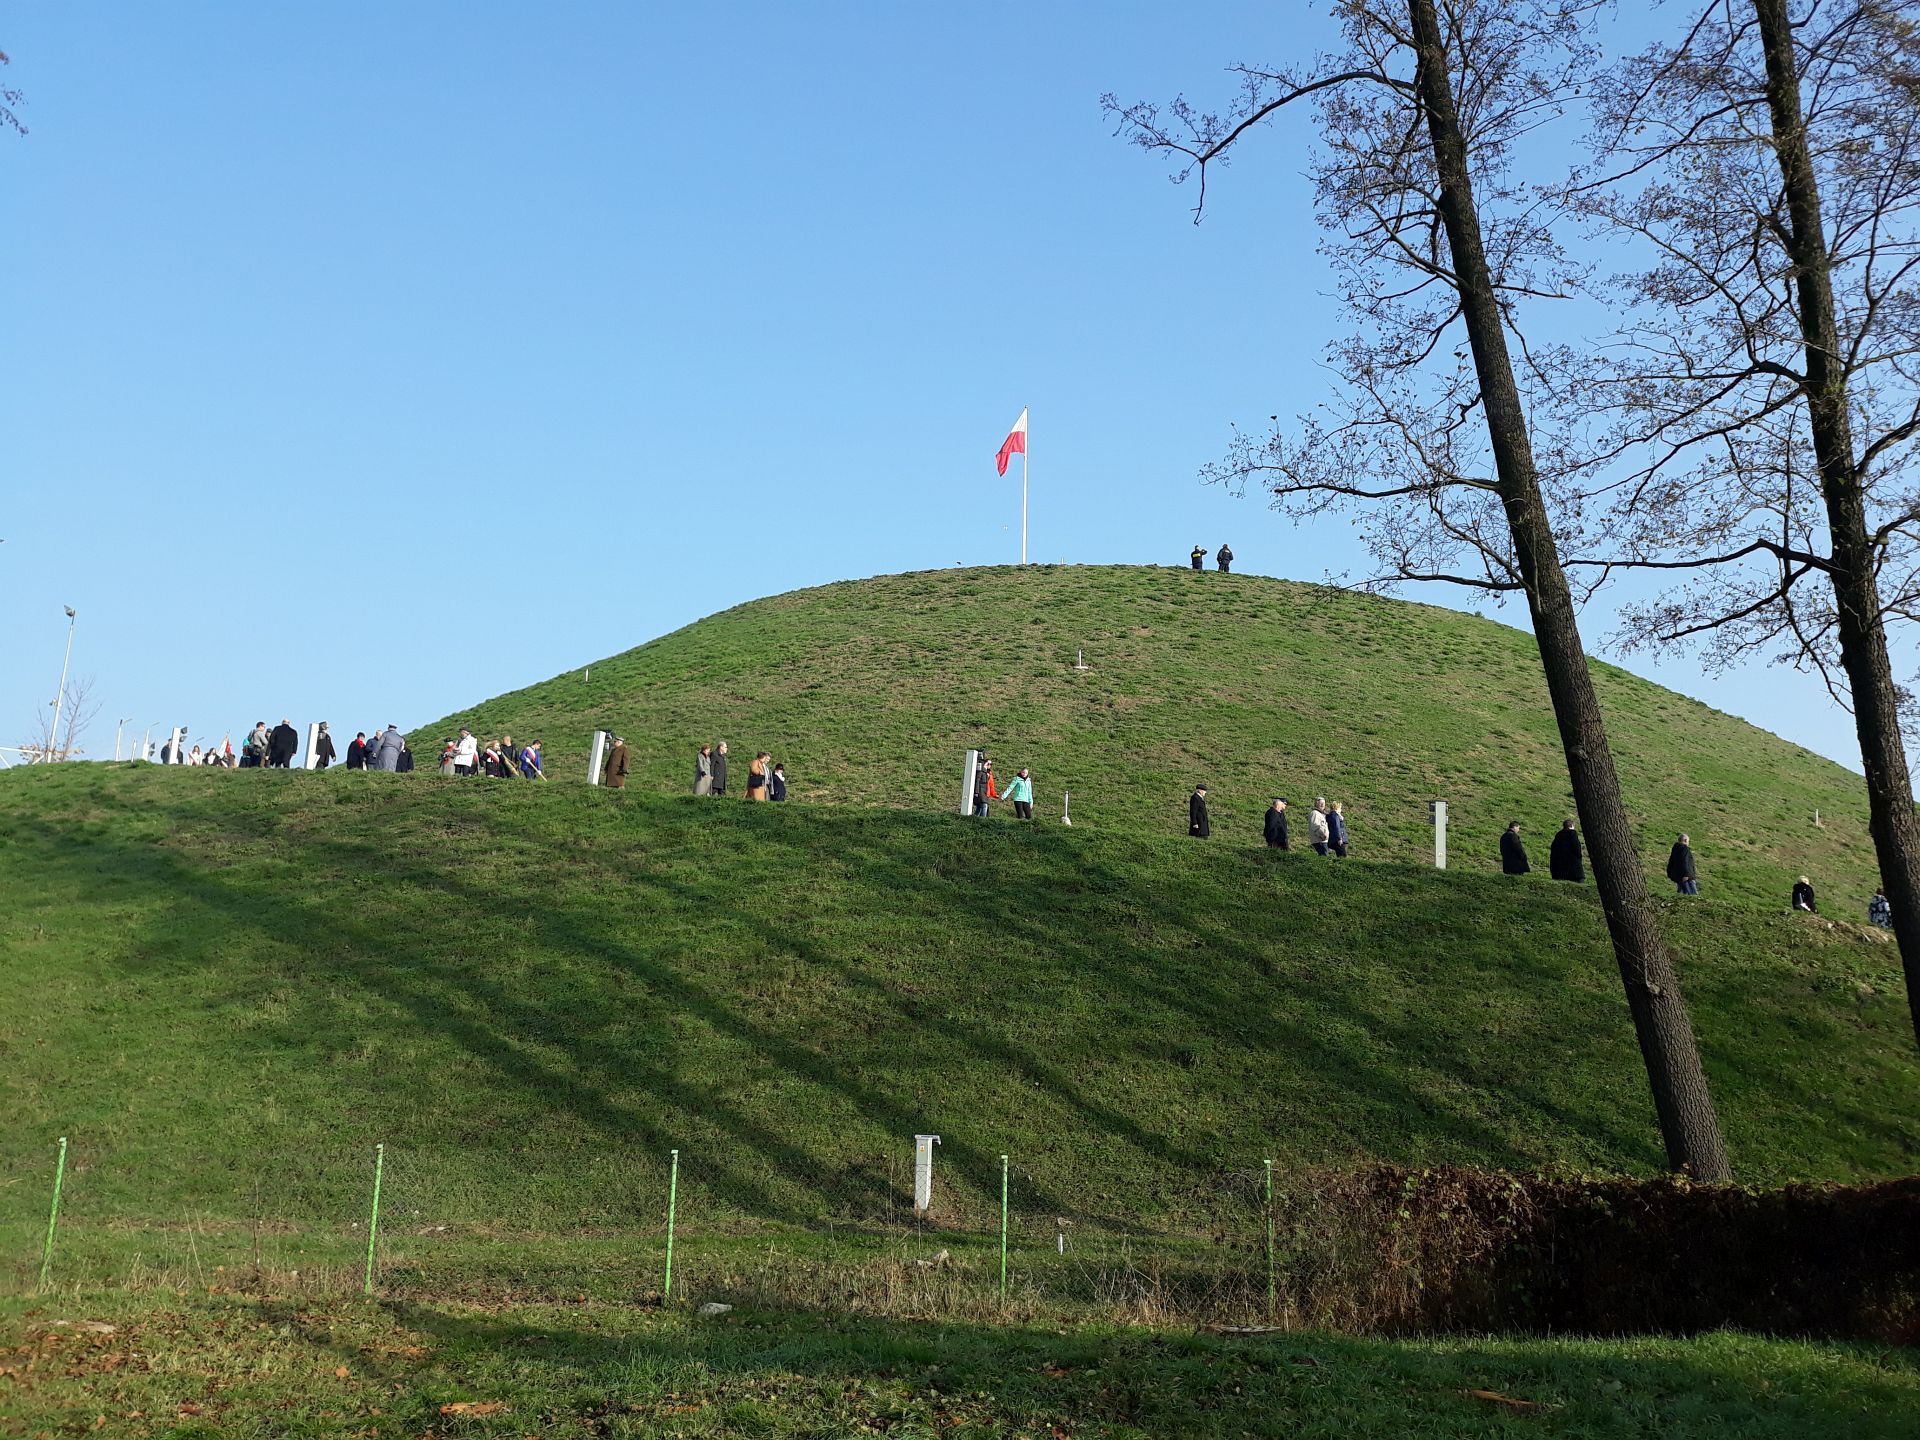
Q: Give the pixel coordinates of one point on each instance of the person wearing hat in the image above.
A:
(1276, 825)
(1803, 896)
(1197, 825)
(1199, 556)
(323, 751)
(616, 772)
(1223, 559)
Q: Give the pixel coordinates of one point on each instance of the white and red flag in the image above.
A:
(1014, 444)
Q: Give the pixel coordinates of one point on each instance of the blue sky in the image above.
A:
(364, 361)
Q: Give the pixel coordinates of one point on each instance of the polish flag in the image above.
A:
(1014, 444)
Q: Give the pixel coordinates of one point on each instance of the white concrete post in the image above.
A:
(1439, 834)
(923, 1174)
(966, 781)
(598, 758)
(313, 746)
(179, 736)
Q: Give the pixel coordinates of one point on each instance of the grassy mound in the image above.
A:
(870, 690)
(221, 984)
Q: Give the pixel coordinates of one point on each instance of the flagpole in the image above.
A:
(1023, 485)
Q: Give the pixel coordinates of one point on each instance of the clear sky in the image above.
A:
(363, 361)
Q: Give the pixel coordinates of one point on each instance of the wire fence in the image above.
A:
(546, 1222)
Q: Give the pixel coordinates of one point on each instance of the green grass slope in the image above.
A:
(227, 986)
(870, 690)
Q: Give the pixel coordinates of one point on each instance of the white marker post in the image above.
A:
(179, 737)
(598, 758)
(923, 1174)
(1439, 808)
(313, 746)
(967, 772)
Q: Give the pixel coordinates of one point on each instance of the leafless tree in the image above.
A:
(1437, 247)
(1762, 404)
(10, 102)
(76, 714)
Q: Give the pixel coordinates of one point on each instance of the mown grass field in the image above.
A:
(870, 690)
(235, 1366)
(227, 987)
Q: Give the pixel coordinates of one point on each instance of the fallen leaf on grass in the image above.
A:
(474, 1407)
(187, 1407)
(1512, 1402)
(340, 1372)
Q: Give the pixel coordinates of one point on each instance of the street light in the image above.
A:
(121, 725)
(60, 700)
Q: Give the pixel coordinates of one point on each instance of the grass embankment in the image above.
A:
(226, 987)
(237, 1367)
(870, 690)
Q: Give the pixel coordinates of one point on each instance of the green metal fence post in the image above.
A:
(373, 1218)
(1003, 1230)
(53, 1215)
(1270, 1288)
(673, 1202)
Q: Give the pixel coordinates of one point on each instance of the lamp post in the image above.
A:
(53, 737)
(122, 725)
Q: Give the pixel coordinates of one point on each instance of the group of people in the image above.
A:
(262, 749)
(766, 778)
(986, 790)
(1326, 823)
(1565, 862)
(459, 755)
(1222, 558)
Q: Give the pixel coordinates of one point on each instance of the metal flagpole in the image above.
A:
(1023, 485)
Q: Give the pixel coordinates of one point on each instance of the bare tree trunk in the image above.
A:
(1667, 1045)
(1863, 638)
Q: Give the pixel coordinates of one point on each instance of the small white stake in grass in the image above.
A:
(923, 1174)
(1066, 799)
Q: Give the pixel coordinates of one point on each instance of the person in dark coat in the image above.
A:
(1276, 825)
(1803, 896)
(282, 745)
(1223, 558)
(404, 765)
(1563, 856)
(1197, 825)
(777, 783)
(1513, 854)
(1680, 867)
(1198, 557)
(983, 788)
(323, 752)
(719, 769)
(616, 774)
(357, 751)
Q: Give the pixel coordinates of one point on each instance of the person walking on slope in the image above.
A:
(1803, 896)
(357, 751)
(1880, 910)
(1563, 855)
(1199, 556)
(1223, 558)
(720, 768)
(1276, 825)
(616, 771)
(757, 776)
(1680, 867)
(1319, 833)
(466, 753)
(1020, 794)
(983, 788)
(1513, 854)
(530, 762)
(253, 750)
(282, 745)
(1337, 829)
(491, 764)
(323, 751)
(386, 754)
(446, 757)
(1197, 825)
(703, 771)
(777, 783)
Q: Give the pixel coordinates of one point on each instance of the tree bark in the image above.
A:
(1863, 637)
(1667, 1045)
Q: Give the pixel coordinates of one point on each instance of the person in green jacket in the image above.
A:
(1020, 792)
